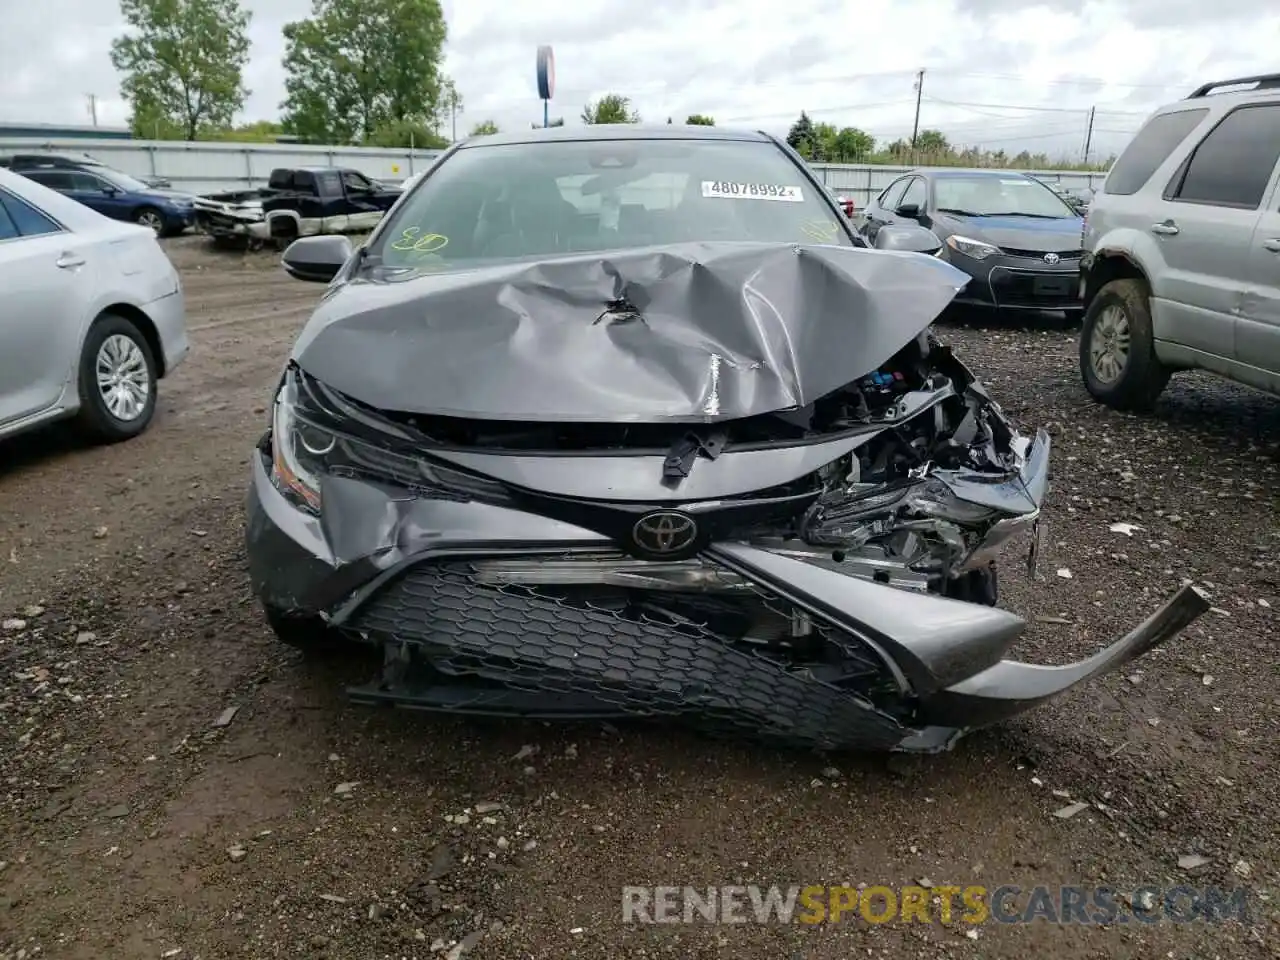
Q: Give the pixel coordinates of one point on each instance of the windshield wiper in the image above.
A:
(1037, 216)
(963, 213)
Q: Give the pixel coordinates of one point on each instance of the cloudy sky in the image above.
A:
(1011, 74)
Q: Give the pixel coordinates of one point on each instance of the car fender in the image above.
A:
(284, 215)
(1123, 253)
(113, 291)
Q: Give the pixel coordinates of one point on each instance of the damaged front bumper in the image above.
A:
(493, 608)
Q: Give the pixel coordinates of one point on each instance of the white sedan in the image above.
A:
(92, 315)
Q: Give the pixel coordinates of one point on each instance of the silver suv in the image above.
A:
(1181, 268)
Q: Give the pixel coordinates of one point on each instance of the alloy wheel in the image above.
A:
(1109, 344)
(124, 382)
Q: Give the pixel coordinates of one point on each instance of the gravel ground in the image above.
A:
(132, 826)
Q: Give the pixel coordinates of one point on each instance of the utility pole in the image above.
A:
(1088, 137)
(915, 127)
(93, 107)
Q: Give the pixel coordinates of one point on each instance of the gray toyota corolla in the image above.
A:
(1018, 239)
(621, 421)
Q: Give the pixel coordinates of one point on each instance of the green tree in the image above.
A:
(448, 107)
(932, 143)
(355, 66)
(183, 63)
(700, 120)
(405, 133)
(800, 137)
(853, 145)
(261, 131)
(824, 141)
(611, 108)
(151, 123)
(484, 128)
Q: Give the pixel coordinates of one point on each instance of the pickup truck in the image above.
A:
(297, 202)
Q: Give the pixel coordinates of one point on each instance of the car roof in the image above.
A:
(51, 158)
(1259, 87)
(617, 131)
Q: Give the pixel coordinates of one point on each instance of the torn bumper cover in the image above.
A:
(220, 218)
(815, 566)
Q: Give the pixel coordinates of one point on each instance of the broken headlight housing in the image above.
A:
(310, 442)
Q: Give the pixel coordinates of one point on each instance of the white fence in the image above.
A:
(210, 167)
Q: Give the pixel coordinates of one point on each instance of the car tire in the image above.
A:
(150, 217)
(116, 348)
(309, 634)
(1118, 360)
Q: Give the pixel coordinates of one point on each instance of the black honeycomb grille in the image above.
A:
(641, 664)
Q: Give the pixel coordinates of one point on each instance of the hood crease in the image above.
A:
(697, 332)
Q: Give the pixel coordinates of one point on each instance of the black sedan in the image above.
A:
(620, 421)
(1017, 239)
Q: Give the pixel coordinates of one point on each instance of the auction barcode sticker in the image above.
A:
(751, 191)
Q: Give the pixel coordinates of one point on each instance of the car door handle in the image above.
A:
(1273, 244)
(69, 260)
(1166, 229)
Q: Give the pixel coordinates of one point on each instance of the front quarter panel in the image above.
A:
(1131, 240)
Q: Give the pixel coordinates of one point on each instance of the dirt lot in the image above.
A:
(130, 826)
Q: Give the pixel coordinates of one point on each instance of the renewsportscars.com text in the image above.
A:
(970, 904)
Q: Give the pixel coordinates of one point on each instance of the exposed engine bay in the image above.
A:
(887, 511)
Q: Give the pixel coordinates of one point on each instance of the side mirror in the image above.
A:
(907, 238)
(908, 210)
(110, 191)
(316, 259)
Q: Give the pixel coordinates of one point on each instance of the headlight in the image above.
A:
(973, 249)
(298, 449)
(935, 499)
(309, 442)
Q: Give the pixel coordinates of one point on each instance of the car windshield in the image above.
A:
(545, 199)
(988, 196)
(121, 180)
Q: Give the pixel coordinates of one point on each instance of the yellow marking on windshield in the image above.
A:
(413, 240)
(823, 231)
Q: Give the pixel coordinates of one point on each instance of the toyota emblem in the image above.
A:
(664, 532)
(1051, 258)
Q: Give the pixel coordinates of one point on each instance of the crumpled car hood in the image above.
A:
(697, 332)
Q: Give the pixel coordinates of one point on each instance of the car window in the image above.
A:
(1233, 164)
(889, 199)
(993, 195)
(1149, 148)
(8, 229)
(329, 184)
(543, 199)
(917, 192)
(86, 181)
(27, 221)
(105, 177)
(354, 181)
(53, 179)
